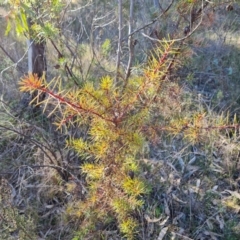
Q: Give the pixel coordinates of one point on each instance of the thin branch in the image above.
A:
(58, 168)
(177, 39)
(15, 63)
(61, 98)
(37, 143)
(67, 69)
(130, 42)
(7, 54)
(120, 23)
(80, 8)
(150, 23)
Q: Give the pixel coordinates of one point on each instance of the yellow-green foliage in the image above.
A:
(120, 116)
(106, 47)
(116, 113)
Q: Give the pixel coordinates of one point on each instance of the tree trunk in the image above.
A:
(37, 64)
(36, 57)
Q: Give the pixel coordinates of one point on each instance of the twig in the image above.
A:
(37, 143)
(7, 54)
(173, 40)
(183, 38)
(66, 66)
(150, 23)
(57, 168)
(15, 63)
(119, 38)
(130, 42)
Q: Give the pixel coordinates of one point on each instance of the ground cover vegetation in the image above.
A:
(119, 119)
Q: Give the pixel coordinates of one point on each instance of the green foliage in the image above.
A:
(34, 19)
(106, 47)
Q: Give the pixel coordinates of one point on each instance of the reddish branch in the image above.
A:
(37, 85)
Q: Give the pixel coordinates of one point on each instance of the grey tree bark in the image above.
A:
(120, 24)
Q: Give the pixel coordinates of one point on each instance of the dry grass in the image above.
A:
(191, 186)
